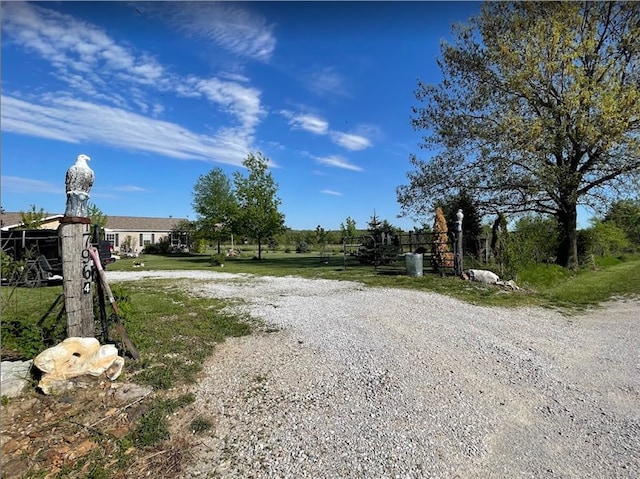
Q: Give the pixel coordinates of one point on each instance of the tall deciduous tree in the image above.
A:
(215, 205)
(539, 110)
(258, 216)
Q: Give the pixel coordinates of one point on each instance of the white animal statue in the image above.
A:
(78, 182)
(489, 277)
(75, 357)
(483, 276)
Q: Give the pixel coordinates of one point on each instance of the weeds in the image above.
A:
(198, 426)
(153, 426)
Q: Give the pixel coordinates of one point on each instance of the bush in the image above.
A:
(10, 267)
(161, 247)
(302, 247)
(603, 239)
(218, 259)
(200, 246)
(151, 249)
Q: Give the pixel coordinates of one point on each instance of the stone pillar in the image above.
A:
(75, 239)
(459, 268)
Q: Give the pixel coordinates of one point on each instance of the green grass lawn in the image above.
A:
(175, 332)
(542, 285)
(32, 319)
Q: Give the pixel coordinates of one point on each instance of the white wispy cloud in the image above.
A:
(319, 126)
(239, 100)
(331, 192)
(131, 189)
(77, 121)
(17, 184)
(337, 161)
(350, 141)
(326, 81)
(228, 25)
(306, 121)
(83, 55)
(113, 86)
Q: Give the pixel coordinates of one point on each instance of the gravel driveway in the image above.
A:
(362, 382)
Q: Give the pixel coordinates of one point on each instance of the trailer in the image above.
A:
(36, 256)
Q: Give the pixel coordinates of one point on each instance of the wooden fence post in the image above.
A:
(75, 239)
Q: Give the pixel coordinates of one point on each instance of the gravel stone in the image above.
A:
(366, 382)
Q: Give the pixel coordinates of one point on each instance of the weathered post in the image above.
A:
(458, 259)
(75, 239)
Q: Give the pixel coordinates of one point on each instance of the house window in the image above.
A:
(146, 239)
(114, 239)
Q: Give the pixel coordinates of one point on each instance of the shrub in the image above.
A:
(10, 267)
(302, 247)
(151, 249)
(218, 259)
(200, 246)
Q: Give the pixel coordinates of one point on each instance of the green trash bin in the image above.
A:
(414, 262)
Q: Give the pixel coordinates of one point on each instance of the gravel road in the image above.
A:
(362, 382)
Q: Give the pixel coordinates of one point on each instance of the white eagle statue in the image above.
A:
(78, 183)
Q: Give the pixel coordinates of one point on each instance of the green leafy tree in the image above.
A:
(96, 216)
(348, 228)
(321, 236)
(604, 238)
(32, 219)
(258, 216)
(215, 205)
(538, 111)
(534, 240)
(625, 214)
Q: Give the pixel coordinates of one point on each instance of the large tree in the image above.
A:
(215, 205)
(258, 216)
(538, 111)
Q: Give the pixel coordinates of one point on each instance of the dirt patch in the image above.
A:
(80, 433)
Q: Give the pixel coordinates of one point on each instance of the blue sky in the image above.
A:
(160, 93)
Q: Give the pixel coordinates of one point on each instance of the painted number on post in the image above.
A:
(87, 265)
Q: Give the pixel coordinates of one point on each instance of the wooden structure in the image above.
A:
(36, 256)
(75, 239)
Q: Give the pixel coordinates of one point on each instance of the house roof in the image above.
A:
(114, 223)
(11, 220)
(141, 223)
